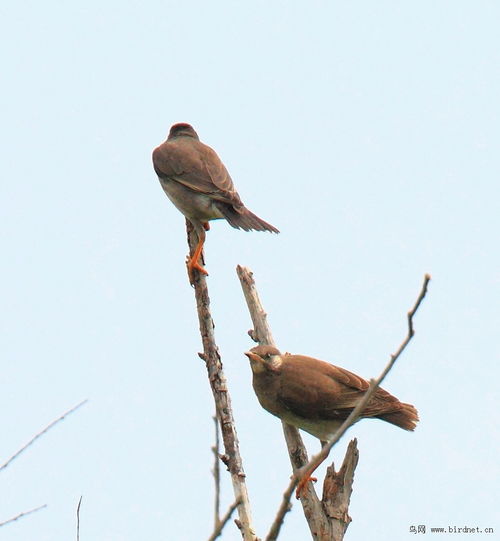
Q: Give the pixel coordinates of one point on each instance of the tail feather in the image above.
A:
(406, 417)
(242, 218)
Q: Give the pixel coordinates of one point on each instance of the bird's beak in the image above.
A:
(257, 363)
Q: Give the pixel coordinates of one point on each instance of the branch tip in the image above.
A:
(46, 429)
(23, 514)
(374, 384)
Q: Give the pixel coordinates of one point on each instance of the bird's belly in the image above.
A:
(322, 429)
(193, 205)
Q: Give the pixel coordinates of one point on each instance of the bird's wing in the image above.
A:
(318, 390)
(196, 166)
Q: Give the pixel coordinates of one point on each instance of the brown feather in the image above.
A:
(197, 182)
(196, 166)
(317, 396)
(406, 417)
(242, 218)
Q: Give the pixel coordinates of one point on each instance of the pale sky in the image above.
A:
(368, 133)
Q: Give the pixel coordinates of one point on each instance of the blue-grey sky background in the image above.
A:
(368, 133)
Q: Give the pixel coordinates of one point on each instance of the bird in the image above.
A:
(317, 396)
(198, 184)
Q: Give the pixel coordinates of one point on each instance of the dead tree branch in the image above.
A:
(23, 514)
(284, 508)
(78, 519)
(46, 429)
(329, 518)
(317, 520)
(216, 473)
(220, 526)
(222, 399)
(337, 490)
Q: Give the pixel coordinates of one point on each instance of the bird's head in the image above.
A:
(182, 130)
(264, 359)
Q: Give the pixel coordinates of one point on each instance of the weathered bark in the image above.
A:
(217, 380)
(337, 490)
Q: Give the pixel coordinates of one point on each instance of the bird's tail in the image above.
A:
(242, 218)
(405, 417)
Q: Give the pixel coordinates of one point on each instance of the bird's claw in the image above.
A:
(191, 267)
(302, 484)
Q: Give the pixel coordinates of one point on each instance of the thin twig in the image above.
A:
(78, 519)
(216, 473)
(23, 514)
(284, 508)
(374, 383)
(219, 527)
(46, 429)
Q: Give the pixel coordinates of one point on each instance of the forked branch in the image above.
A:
(328, 519)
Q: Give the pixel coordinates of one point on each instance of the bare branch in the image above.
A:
(337, 490)
(78, 519)
(220, 526)
(374, 383)
(261, 332)
(327, 519)
(46, 429)
(216, 474)
(23, 514)
(222, 399)
(284, 508)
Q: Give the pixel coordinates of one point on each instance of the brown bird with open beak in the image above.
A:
(317, 396)
(198, 184)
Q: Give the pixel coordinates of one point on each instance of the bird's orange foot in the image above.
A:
(193, 265)
(302, 484)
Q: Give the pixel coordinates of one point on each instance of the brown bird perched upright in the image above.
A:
(317, 396)
(198, 184)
